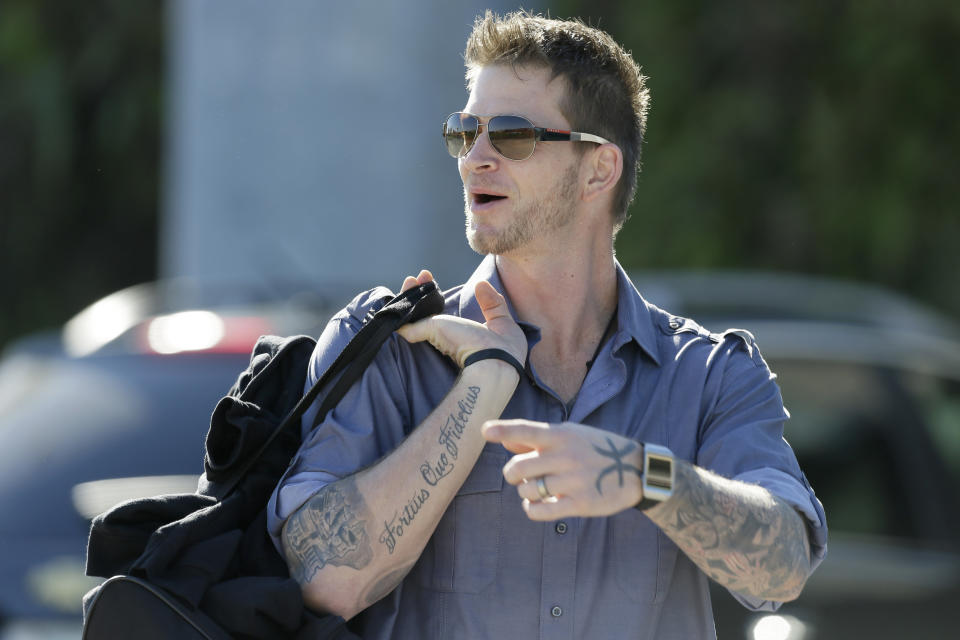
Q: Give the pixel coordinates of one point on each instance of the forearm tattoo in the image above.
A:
(432, 472)
(456, 423)
(394, 528)
(329, 529)
(753, 543)
(619, 466)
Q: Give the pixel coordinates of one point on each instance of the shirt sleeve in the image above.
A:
(367, 423)
(742, 438)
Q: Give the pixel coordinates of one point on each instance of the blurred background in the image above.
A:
(817, 137)
(178, 177)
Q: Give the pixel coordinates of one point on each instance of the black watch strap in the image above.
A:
(494, 354)
(646, 503)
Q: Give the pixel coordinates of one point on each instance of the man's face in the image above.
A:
(512, 205)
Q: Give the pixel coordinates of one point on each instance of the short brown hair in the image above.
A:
(606, 92)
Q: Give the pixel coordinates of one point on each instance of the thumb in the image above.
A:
(492, 304)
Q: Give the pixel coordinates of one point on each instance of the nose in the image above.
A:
(482, 156)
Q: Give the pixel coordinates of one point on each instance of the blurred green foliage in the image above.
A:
(819, 136)
(80, 110)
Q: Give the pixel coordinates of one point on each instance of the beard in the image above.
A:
(554, 210)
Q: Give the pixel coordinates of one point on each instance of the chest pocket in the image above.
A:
(463, 554)
(644, 557)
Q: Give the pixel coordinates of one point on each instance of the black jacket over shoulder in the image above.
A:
(213, 552)
(210, 549)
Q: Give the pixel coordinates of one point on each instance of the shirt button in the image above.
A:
(561, 528)
(556, 612)
(675, 324)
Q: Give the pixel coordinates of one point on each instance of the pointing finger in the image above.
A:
(533, 435)
(516, 447)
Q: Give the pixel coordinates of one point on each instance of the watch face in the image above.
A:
(659, 472)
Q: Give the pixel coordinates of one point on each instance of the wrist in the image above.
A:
(495, 375)
(658, 477)
(497, 355)
(497, 381)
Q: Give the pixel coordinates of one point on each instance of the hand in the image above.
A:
(410, 282)
(459, 337)
(588, 471)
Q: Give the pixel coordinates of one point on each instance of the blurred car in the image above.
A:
(117, 406)
(872, 383)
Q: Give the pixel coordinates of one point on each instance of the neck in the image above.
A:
(570, 295)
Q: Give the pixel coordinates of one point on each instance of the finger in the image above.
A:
(529, 466)
(536, 435)
(513, 469)
(408, 283)
(492, 304)
(418, 331)
(552, 509)
(556, 485)
(527, 490)
(516, 447)
(424, 277)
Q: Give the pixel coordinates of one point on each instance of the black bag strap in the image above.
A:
(413, 304)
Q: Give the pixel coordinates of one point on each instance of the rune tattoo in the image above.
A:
(619, 466)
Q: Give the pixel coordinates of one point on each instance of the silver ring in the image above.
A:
(542, 488)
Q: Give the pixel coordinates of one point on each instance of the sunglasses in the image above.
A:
(514, 137)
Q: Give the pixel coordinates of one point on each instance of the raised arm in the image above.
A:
(355, 540)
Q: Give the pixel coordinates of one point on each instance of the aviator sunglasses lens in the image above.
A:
(513, 136)
(459, 133)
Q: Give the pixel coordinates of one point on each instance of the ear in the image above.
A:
(605, 164)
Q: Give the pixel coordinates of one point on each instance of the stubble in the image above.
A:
(554, 210)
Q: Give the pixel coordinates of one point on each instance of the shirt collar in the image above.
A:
(634, 321)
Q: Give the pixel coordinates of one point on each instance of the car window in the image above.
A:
(940, 403)
(878, 445)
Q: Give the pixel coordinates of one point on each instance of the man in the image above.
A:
(642, 454)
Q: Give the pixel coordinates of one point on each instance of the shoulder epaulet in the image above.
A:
(677, 324)
(749, 342)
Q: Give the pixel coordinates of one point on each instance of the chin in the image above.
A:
(478, 242)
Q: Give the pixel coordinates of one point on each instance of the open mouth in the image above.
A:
(484, 198)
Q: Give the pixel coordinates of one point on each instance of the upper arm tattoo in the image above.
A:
(752, 543)
(330, 528)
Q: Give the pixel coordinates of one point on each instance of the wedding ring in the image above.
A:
(542, 488)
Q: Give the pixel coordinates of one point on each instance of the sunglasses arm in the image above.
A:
(558, 135)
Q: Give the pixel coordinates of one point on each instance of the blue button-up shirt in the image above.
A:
(490, 572)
